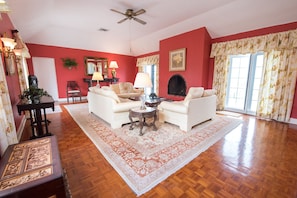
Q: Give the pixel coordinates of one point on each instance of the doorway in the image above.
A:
(244, 78)
(45, 71)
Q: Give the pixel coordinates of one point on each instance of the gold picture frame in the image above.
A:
(177, 60)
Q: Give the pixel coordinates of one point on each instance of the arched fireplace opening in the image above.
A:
(177, 86)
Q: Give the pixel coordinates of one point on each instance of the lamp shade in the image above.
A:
(113, 64)
(97, 76)
(142, 80)
(8, 42)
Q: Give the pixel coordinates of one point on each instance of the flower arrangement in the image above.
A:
(33, 94)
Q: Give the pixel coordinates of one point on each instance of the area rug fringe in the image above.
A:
(142, 184)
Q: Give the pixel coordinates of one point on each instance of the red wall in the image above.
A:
(259, 32)
(126, 71)
(197, 44)
(12, 80)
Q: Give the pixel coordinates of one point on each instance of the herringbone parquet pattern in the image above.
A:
(258, 159)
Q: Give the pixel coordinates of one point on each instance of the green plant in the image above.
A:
(69, 62)
(33, 93)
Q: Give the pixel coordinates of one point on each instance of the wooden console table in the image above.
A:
(32, 169)
(36, 117)
(108, 80)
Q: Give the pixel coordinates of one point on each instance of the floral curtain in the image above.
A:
(279, 76)
(22, 66)
(8, 132)
(149, 60)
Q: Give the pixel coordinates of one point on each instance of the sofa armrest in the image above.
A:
(125, 106)
(177, 106)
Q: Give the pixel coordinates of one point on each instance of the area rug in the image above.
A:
(50, 110)
(144, 161)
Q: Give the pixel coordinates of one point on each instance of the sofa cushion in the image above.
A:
(115, 88)
(106, 88)
(125, 106)
(209, 92)
(129, 95)
(194, 92)
(93, 89)
(111, 94)
(126, 87)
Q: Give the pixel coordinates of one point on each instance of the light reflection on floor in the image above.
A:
(238, 148)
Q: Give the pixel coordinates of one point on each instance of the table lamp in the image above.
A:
(113, 65)
(97, 76)
(142, 80)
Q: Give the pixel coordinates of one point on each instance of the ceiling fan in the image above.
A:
(130, 14)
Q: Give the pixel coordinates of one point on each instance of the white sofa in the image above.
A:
(104, 103)
(198, 106)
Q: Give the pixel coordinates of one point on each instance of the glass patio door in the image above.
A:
(244, 77)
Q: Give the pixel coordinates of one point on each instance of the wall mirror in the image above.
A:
(93, 64)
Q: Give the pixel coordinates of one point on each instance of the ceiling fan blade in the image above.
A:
(118, 12)
(121, 21)
(139, 20)
(141, 11)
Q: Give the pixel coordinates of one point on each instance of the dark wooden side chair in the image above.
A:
(73, 91)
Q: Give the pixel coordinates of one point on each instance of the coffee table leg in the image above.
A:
(141, 121)
(132, 123)
(154, 125)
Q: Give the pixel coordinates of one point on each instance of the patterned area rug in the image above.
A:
(144, 161)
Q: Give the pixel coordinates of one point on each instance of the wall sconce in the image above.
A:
(8, 47)
(9, 56)
(113, 65)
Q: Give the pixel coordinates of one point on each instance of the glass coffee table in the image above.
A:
(142, 114)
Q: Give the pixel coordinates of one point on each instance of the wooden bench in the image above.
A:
(32, 169)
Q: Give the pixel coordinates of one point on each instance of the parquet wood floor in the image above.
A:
(257, 159)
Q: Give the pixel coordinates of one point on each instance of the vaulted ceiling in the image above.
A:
(77, 23)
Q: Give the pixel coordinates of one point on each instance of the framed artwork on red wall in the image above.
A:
(177, 60)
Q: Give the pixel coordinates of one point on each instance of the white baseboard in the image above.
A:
(293, 121)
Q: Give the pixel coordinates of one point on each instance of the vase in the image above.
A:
(36, 99)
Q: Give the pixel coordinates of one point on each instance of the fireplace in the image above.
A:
(177, 86)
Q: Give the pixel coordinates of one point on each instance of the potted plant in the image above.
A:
(33, 94)
(69, 62)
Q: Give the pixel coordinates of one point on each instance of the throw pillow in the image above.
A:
(194, 92)
(126, 87)
(209, 92)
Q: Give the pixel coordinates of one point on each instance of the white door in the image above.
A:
(45, 71)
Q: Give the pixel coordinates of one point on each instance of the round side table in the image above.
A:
(142, 114)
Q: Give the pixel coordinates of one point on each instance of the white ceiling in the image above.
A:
(75, 23)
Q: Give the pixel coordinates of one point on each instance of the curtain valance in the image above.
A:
(148, 60)
(282, 40)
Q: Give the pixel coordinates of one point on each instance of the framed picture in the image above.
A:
(177, 60)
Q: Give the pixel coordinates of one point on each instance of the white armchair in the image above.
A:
(198, 106)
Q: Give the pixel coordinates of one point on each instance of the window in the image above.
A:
(151, 70)
(244, 78)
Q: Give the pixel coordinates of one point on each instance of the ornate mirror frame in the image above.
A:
(93, 64)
